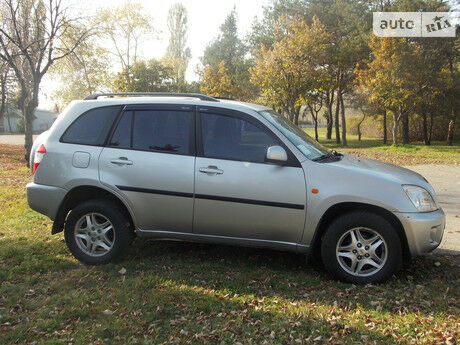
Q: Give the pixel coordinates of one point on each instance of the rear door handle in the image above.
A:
(211, 170)
(121, 161)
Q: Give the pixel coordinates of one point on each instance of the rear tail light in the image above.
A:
(39, 154)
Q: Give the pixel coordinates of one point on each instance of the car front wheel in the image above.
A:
(360, 248)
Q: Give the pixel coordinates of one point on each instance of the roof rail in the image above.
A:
(225, 98)
(152, 94)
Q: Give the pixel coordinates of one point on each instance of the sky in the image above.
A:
(204, 19)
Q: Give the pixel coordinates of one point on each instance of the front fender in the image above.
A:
(335, 185)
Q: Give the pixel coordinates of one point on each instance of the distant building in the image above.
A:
(12, 122)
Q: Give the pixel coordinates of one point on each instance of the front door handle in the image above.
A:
(211, 170)
(121, 161)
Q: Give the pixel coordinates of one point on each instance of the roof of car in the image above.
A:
(192, 99)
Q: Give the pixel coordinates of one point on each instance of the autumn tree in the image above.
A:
(219, 82)
(291, 70)
(389, 77)
(348, 23)
(145, 76)
(177, 54)
(228, 47)
(31, 33)
(450, 74)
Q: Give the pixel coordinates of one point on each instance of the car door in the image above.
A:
(237, 193)
(150, 160)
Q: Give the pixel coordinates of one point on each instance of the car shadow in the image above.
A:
(269, 273)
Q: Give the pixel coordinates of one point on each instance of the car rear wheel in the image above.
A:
(98, 232)
(361, 247)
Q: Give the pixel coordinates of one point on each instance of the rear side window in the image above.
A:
(92, 127)
(167, 131)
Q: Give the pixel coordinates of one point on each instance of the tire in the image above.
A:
(98, 232)
(374, 261)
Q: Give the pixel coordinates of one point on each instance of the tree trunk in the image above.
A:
(385, 139)
(344, 123)
(296, 115)
(425, 128)
(3, 98)
(396, 119)
(329, 117)
(315, 119)
(337, 110)
(450, 132)
(28, 128)
(395, 132)
(359, 127)
(291, 111)
(9, 120)
(453, 95)
(405, 128)
(430, 132)
(28, 104)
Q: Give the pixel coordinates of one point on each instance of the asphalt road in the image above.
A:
(13, 139)
(445, 179)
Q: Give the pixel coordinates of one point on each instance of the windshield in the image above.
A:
(309, 146)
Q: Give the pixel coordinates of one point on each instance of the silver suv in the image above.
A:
(196, 168)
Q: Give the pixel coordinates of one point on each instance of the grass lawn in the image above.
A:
(173, 292)
(412, 154)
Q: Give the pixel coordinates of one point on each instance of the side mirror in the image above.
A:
(276, 154)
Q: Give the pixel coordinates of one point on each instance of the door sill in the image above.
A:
(237, 241)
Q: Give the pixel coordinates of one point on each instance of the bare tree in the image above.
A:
(125, 26)
(30, 42)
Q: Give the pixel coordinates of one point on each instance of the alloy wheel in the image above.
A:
(94, 234)
(361, 251)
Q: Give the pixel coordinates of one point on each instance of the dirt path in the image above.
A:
(445, 179)
(13, 139)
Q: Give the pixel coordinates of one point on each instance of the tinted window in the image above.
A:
(92, 127)
(232, 138)
(162, 130)
(122, 135)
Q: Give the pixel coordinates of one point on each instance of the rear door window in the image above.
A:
(168, 131)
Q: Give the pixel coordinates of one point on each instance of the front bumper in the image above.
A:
(423, 230)
(45, 199)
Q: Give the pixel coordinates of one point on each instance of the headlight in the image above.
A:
(422, 200)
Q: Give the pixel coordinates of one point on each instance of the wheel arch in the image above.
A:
(346, 207)
(79, 194)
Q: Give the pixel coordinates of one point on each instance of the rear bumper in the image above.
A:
(424, 231)
(45, 199)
